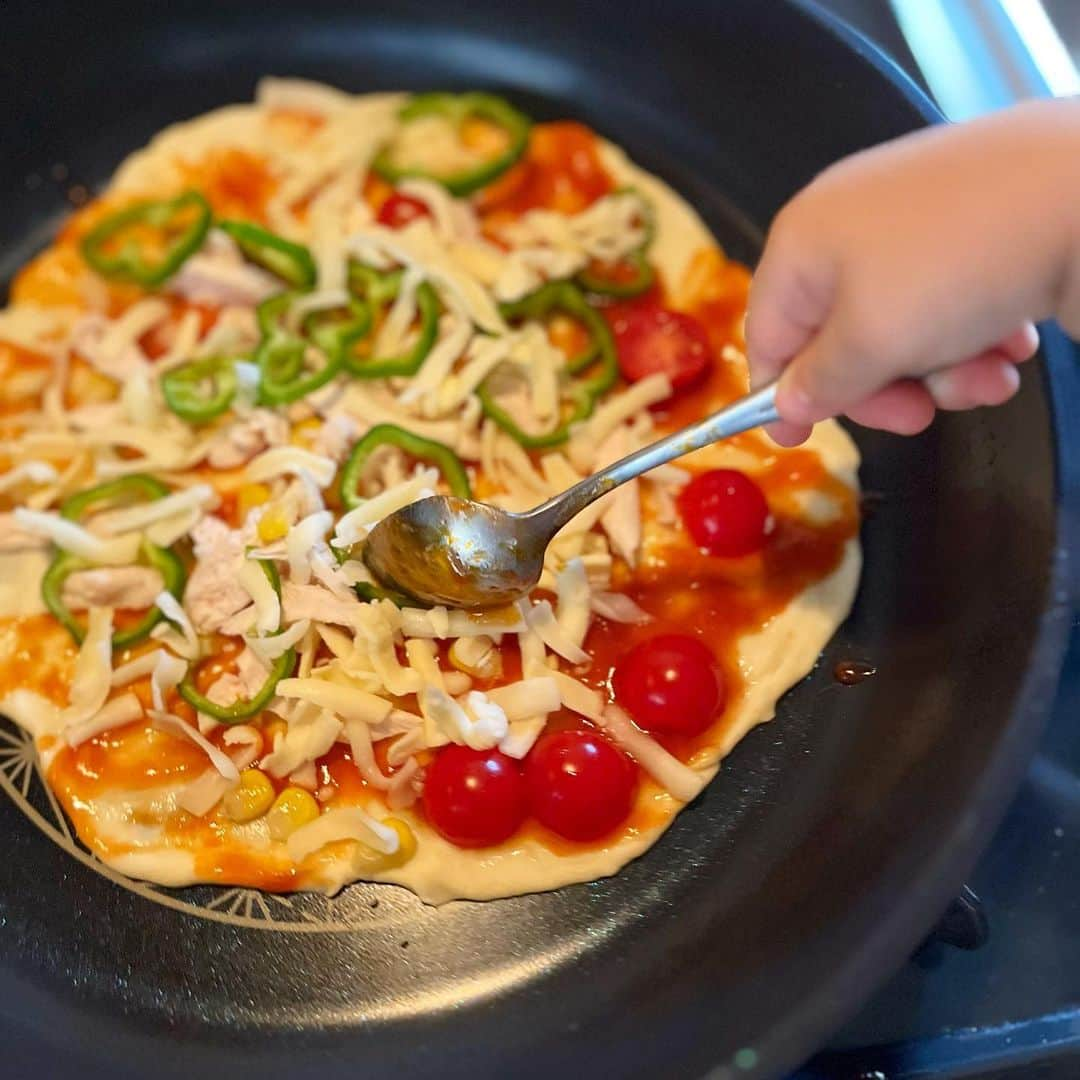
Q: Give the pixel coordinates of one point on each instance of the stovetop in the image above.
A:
(1009, 1008)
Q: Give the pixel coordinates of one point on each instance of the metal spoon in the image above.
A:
(465, 554)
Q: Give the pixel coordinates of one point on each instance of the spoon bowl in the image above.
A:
(453, 551)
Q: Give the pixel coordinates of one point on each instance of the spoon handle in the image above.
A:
(748, 412)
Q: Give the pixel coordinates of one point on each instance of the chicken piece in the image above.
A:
(246, 437)
(126, 587)
(245, 682)
(219, 276)
(335, 438)
(319, 605)
(214, 593)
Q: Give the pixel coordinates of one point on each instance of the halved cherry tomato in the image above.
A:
(652, 339)
(400, 210)
(475, 798)
(725, 513)
(670, 683)
(580, 785)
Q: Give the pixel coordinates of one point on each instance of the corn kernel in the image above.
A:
(304, 432)
(368, 859)
(248, 497)
(292, 808)
(273, 525)
(251, 799)
(478, 656)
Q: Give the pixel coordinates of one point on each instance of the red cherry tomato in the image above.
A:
(399, 210)
(670, 683)
(725, 513)
(580, 785)
(653, 339)
(474, 798)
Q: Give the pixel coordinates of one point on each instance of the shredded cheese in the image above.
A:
(120, 711)
(173, 725)
(171, 609)
(343, 701)
(79, 541)
(356, 524)
(91, 678)
(305, 740)
(344, 823)
(285, 460)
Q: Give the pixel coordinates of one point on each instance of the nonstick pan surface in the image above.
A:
(832, 838)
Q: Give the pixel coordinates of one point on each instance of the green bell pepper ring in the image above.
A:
(283, 350)
(284, 259)
(582, 393)
(628, 277)
(631, 275)
(440, 455)
(122, 489)
(201, 389)
(377, 287)
(64, 564)
(581, 409)
(136, 487)
(382, 289)
(113, 246)
(560, 296)
(457, 108)
(246, 707)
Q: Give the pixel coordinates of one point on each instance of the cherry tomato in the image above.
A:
(670, 683)
(475, 798)
(725, 513)
(399, 210)
(652, 339)
(580, 785)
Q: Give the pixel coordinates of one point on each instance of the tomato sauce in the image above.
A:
(561, 170)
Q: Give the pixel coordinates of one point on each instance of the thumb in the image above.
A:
(790, 298)
(833, 372)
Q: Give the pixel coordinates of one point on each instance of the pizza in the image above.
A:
(284, 320)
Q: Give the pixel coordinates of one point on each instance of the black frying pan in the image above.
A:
(832, 839)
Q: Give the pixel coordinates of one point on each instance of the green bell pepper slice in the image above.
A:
(380, 290)
(629, 276)
(284, 259)
(200, 390)
(599, 357)
(619, 285)
(245, 708)
(65, 564)
(284, 349)
(138, 486)
(437, 453)
(457, 108)
(113, 247)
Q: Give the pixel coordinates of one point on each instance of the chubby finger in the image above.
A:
(904, 407)
(1020, 345)
(990, 378)
(784, 434)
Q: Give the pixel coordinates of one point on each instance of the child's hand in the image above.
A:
(907, 278)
